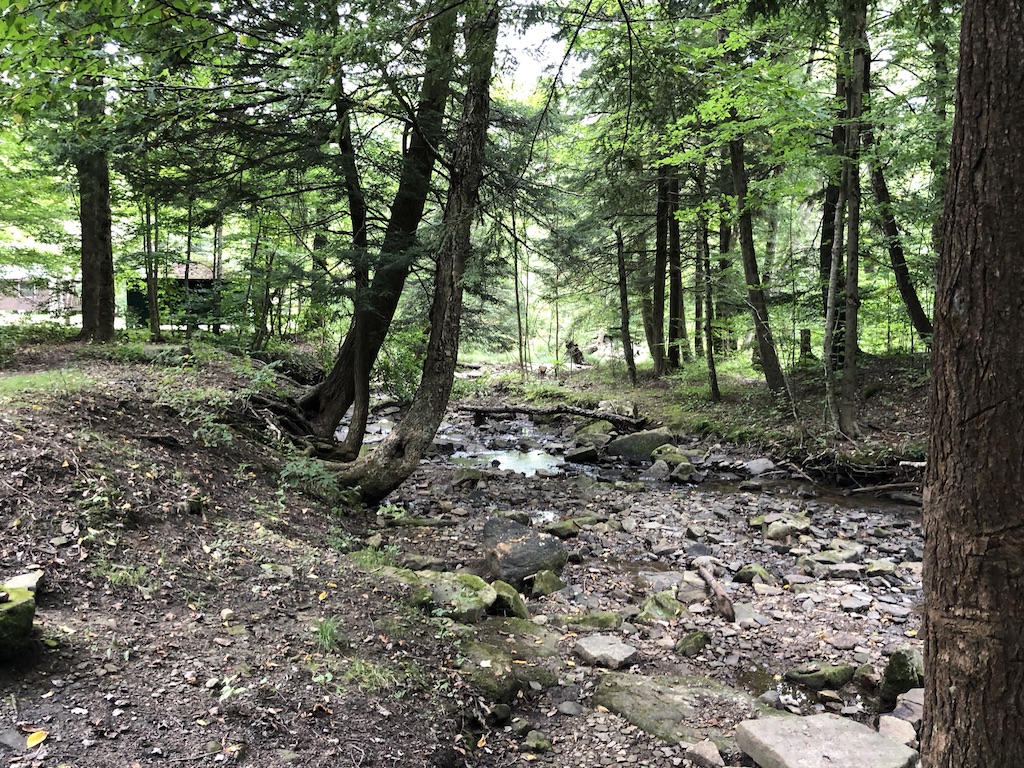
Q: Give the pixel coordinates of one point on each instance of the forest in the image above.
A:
(752, 224)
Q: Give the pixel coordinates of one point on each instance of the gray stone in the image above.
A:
(898, 730)
(570, 529)
(536, 741)
(570, 708)
(659, 470)
(786, 525)
(30, 581)
(904, 671)
(593, 620)
(493, 671)
(523, 640)
(683, 473)
(880, 567)
(662, 706)
(704, 754)
(821, 740)
(910, 707)
(514, 552)
(600, 427)
(605, 651)
(639, 445)
(757, 467)
(582, 454)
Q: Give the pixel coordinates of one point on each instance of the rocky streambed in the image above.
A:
(620, 655)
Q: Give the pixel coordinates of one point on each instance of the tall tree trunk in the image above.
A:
(678, 344)
(698, 298)
(705, 292)
(151, 247)
(520, 337)
(973, 517)
(858, 13)
(627, 341)
(325, 405)
(827, 246)
(395, 458)
(657, 340)
(755, 292)
(95, 219)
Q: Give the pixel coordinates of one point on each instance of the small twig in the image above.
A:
(887, 487)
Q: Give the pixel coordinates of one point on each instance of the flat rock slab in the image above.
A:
(813, 742)
(605, 651)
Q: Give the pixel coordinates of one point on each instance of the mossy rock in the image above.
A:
(752, 572)
(693, 643)
(16, 615)
(904, 671)
(463, 597)
(497, 674)
(593, 620)
(600, 427)
(639, 445)
(522, 639)
(509, 602)
(671, 455)
(662, 606)
(818, 676)
(546, 583)
(570, 529)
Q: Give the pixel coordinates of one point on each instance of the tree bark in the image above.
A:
(395, 458)
(678, 344)
(326, 404)
(755, 292)
(627, 342)
(93, 173)
(657, 336)
(973, 516)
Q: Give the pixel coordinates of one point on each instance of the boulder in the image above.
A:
(496, 673)
(570, 529)
(17, 612)
(817, 675)
(640, 445)
(662, 706)
(671, 455)
(756, 467)
(463, 597)
(904, 672)
(659, 470)
(513, 552)
(582, 454)
(802, 742)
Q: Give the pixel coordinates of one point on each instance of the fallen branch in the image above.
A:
(615, 419)
(722, 601)
(880, 488)
(418, 522)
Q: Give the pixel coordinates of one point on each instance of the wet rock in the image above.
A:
(583, 454)
(514, 552)
(693, 643)
(17, 612)
(546, 583)
(639, 445)
(818, 675)
(662, 606)
(662, 706)
(797, 742)
(605, 651)
(904, 671)
(752, 572)
(508, 601)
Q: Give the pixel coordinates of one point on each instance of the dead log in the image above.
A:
(615, 419)
(722, 601)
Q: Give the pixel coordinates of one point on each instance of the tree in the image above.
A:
(395, 458)
(973, 519)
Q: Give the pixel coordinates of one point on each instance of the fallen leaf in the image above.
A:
(35, 739)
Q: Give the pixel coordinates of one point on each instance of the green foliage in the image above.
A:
(327, 635)
(199, 406)
(312, 476)
(370, 559)
(400, 363)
